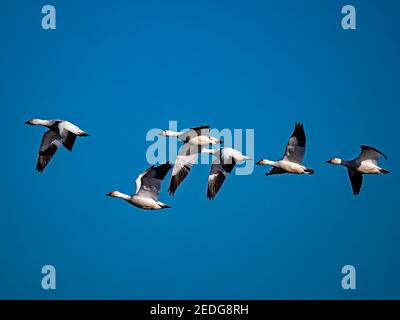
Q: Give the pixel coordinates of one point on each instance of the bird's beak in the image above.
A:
(27, 122)
(258, 162)
(108, 194)
(328, 161)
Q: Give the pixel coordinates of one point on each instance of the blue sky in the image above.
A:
(120, 68)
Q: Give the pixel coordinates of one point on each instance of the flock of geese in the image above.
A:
(148, 183)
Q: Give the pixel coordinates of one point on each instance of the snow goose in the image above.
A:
(293, 157)
(60, 133)
(198, 136)
(365, 163)
(221, 167)
(148, 185)
(193, 140)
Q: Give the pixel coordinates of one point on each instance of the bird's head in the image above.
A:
(334, 161)
(33, 122)
(112, 194)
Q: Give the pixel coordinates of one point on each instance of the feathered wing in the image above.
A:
(220, 168)
(69, 140)
(215, 179)
(66, 130)
(371, 154)
(296, 145)
(356, 179)
(148, 183)
(69, 132)
(48, 148)
(183, 164)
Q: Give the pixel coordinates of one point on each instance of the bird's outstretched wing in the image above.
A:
(220, 168)
(371, 154)
(148, 183)
(356, 179)
(215, 179)
(296, 145)
(48, 148)
(68, 133)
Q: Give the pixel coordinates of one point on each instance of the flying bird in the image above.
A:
(221, 167)
(193, 141)
(148, 186)
(292, 161)
(198, 136)
(365, 163)
(60, 133)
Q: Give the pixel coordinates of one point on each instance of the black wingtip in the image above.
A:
(298, 125)
(162, 170)
(172, 188)
(210, 195)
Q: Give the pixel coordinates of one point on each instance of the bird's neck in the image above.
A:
(121, 195)
(269, 162)
(345, 163)
(40, 122)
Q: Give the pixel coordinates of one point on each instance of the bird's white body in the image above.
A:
(202, 141)
(288, 166)
(195, 138)
(227, 154)
(140, 202)
(368, 167)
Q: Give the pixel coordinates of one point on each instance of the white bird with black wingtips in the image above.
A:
(221, 167)
(292, 161)
(60, 133)
(365, 163)
(148, 186)
(197, 136)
